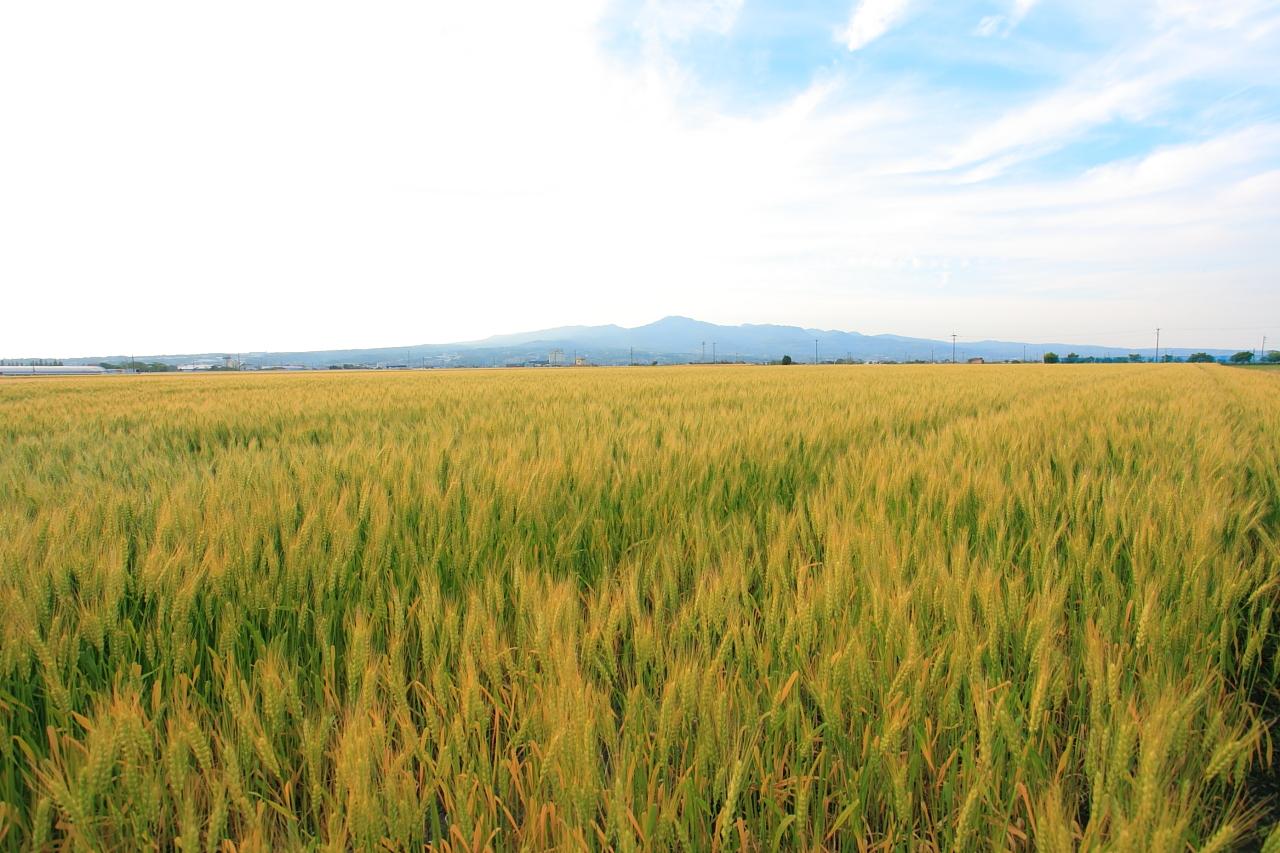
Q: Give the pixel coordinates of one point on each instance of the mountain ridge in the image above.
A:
(671, 339)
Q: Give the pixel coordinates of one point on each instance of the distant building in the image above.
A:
(51, 370)
(977, 359)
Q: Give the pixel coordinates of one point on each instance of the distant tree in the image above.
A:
(1072, 357)
(1272, 357)
(1133, 356)
(1243, 357)
(1200, 357)
(1051, 358)
(139, 366)
(786, 359)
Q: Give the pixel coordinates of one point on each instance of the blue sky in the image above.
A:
(1194, 71)
(287, 174)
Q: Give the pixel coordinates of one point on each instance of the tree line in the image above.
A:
(1242, 357)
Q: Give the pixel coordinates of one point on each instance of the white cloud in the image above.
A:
(990, 25)
(1058, 118)
(1199, 164)
(1021, 8)
(1005, 24)
(871, 19)
(678, 19)
(1214, 14)
(1259, 190)
(1136, 81)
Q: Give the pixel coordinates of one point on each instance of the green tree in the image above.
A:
(786, 359)
(1200, 357)
(1051, 358)
(1272, 356)
(1133, 356)
(1243, 357)
(1073, 357)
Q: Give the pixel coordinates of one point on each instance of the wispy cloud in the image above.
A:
(1005, 24)
(1057, 119)
(1215, 14)
(870, 19)
(1145, 81)
(678, 19)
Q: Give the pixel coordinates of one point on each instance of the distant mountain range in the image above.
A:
(670, 340)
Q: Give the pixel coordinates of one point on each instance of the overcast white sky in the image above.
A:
(238, 176)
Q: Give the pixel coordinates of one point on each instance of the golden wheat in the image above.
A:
(854, 608)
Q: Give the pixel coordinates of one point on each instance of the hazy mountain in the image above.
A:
(669, 340)
(683, 339)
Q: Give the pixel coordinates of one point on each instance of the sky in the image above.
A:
(274, 175)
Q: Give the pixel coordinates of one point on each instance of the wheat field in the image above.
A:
(735, 608)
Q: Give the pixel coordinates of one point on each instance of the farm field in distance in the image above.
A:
(737, 608)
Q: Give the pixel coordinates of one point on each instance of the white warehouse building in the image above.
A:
(51, 370)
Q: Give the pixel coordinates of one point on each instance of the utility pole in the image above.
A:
(703, 359)
(953, 347)
(713, 353)
(1157, 344)
(815, 350)
(633, 356)
(1024, 352)
(1262, 356)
